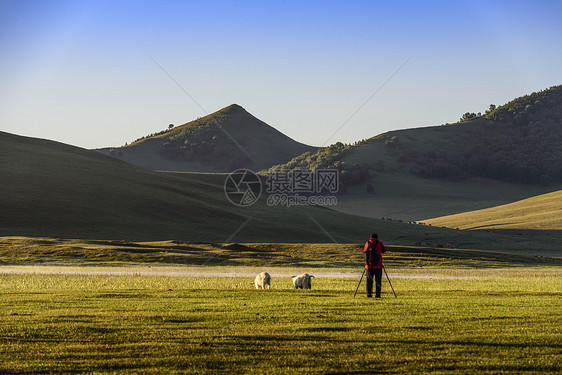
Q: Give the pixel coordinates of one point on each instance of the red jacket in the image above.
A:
(376, 260)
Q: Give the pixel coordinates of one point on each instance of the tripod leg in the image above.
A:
(361, 279)
(389, 282)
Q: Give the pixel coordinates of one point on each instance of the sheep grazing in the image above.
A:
(262, 281)
(302, 281)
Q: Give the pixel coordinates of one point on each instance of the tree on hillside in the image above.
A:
(468, 116)
(491, 109)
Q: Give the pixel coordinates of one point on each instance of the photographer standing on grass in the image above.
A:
(373, 264)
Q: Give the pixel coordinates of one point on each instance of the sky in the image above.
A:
(97, 73)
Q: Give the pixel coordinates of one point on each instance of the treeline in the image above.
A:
(527, 154)
(530, 109)
(170, 127)
(328, 158)
(524, 145)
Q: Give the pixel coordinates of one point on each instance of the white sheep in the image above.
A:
(302, 281)
(262, 281)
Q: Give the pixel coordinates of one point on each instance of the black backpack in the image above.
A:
(373, 258)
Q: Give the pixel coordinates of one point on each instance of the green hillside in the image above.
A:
(511, 153)
(54, 190)
(221, 142)
(519, 142)
(543, 212)
(49, 188)
(398, 192)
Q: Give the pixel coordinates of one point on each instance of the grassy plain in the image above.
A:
(483, 321)
(412, 198)
(543, 212)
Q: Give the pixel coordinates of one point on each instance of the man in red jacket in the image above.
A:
(373, 264)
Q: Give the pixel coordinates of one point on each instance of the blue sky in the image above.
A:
(81, 72)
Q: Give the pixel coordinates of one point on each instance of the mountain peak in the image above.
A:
(222, 141)
(233, 109)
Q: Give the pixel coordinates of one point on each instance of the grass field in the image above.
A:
(484, 321)
(543, 212)
(411, 198)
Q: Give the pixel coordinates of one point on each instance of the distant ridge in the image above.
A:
(223, 141)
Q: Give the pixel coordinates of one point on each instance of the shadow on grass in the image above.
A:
(360, 373)
(476, 343)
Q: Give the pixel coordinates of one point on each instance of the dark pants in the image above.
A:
(377, 274)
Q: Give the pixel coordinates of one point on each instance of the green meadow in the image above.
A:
(541, 212)
(483, 320)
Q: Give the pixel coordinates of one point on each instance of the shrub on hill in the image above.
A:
(151, 135)
(204, 144)
(327, 158)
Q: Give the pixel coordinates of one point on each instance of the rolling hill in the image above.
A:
(543, 212)
(51, 190)
(221, 142)
(55, 190)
